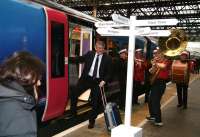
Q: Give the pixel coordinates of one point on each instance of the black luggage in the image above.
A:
(111, 113)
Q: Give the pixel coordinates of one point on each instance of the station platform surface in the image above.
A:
(177, 122)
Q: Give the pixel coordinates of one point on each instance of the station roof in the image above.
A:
(186, 11)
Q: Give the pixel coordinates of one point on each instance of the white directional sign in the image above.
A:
(156, 22)
(105, 24)
(158, 33)
(142, 31)
(122, 32)
(112, 32)
(120, 19)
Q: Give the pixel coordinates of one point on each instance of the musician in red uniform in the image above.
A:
(182, 86)
(139, 75)
(160, 75)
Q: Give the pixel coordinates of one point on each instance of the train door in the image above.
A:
(57, 65)
(86, 44)
(80, 43)
(74, 50)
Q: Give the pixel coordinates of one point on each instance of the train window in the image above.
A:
(57, 49)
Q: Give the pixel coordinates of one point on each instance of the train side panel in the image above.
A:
(57, 74)
(25, 25)
(22, 27)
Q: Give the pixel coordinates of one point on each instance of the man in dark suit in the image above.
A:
(96, 73)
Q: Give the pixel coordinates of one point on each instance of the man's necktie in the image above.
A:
(96, 67)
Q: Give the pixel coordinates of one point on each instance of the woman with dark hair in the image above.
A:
(20, 76)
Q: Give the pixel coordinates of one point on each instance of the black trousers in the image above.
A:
(138, 89)
(155, 96)
(122, 94)
(182, 93)
(96, 102)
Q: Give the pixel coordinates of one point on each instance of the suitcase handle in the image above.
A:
(103, 96)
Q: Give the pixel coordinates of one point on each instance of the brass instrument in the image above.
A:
(154, 76)
(156, 67)
(169, 46)
(174, 44)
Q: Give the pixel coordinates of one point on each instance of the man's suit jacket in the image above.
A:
(87, 59)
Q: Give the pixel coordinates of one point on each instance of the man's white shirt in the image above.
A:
(93, 64)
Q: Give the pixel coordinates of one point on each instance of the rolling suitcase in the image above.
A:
(111, 112)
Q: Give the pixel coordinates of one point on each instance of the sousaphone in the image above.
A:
(173, 46)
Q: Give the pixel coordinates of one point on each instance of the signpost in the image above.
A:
(142, 31)
(120, 19)
(160, 33)
(106, 24)
(156, 22)
(123, 32)
(113, 32)
(104, 29)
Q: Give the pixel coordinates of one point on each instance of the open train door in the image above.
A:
(80, 42)
(57, 65)
(85, 44)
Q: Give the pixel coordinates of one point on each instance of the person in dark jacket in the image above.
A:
(122, 72)
(96, 73)
(19, 77)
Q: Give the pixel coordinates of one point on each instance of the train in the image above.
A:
(52, 32)
(45, 32)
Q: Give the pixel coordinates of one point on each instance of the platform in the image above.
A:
(177, 122)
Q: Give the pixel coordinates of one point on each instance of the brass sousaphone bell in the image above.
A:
(174, 44)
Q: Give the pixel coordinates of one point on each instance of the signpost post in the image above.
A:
(104, 29)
